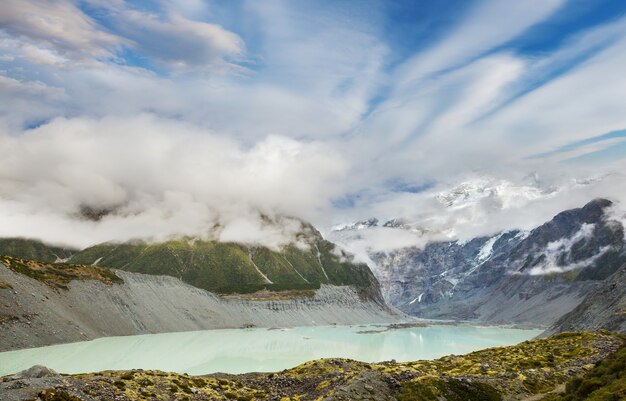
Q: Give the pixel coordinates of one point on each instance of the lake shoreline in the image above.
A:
(33, 314)
(260, 349)
(499, 370)
(418, 322)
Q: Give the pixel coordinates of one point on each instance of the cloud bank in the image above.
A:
(84, 181)
(173, 118)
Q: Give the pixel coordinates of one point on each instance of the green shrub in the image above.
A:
(605, 382)
(57, 395)
(127, 376)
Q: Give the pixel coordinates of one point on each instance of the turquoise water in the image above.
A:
(259, 350)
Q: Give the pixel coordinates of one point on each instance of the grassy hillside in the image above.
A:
(216, 266)
(33, 250)
(230, 267)
(531, 370)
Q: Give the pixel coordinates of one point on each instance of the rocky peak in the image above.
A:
(508, 274)
(359, 225)
(567, 224)
(396, 223)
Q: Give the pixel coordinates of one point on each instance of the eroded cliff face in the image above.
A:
(33, 313)
(529, 278)
(603, 309)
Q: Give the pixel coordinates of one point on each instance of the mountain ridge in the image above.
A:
(33, 249)
(512, 277)
(222, 267)
(603, 309)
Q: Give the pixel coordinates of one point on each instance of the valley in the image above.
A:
(277, 200)
(563, 276)
(40, 313)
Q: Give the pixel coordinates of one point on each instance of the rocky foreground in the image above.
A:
(568, 366)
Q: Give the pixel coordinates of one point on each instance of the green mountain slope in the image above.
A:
(33, 250)
(231, 267)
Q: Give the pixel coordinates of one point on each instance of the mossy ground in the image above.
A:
(505, 373)
(57, 395)
(605, 382)
(58, 275)
(147, 385)
(265, 295)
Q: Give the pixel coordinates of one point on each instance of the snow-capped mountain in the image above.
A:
(359, 225)
(510, 277)
(500, 193)
(474, 205)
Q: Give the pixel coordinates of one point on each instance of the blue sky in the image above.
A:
(341, 107)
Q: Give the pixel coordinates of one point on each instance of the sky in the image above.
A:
(231, 119)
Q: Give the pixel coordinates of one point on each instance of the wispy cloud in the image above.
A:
(55, 31)
(587, 145)
(171, 39)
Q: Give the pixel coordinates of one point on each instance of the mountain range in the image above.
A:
(511, 277)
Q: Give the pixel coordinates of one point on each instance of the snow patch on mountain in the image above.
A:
(487, 249)
(481, 206)
(359, 225)
(505, 193)
(418, 299)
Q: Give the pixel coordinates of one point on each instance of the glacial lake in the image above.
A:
(260, 349)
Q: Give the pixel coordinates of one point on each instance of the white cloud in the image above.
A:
(309, 86)
(489, 24)
(158, 178)
(27, 100)
(554, 249)
(332, 55)
(178, 42)
(477, 206)
(256, 231)
(580, 104)
(459, 121)
(14, 87)
(57, 26)
(58, 32)
(318, 85)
